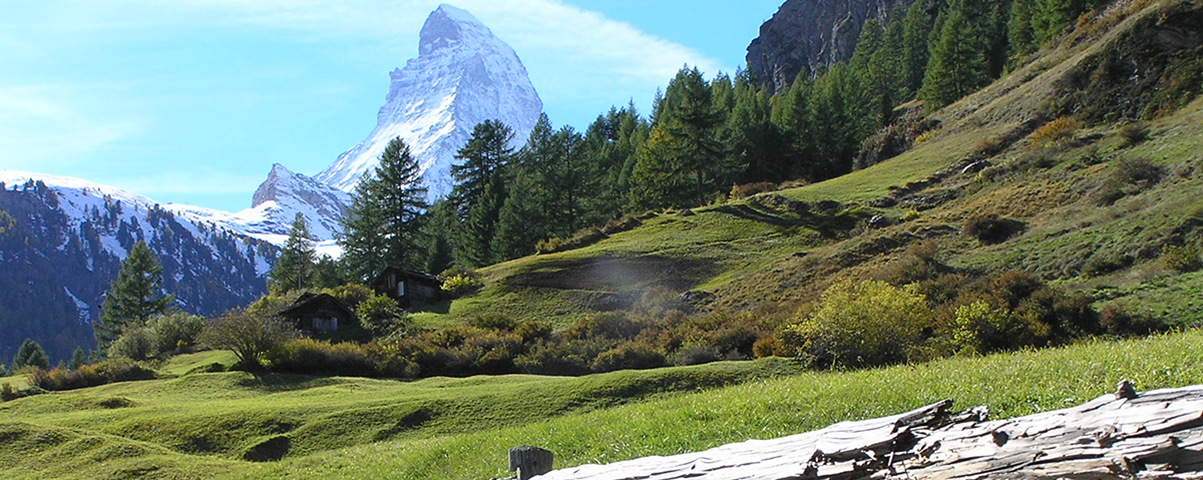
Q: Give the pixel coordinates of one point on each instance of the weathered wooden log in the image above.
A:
(1157, 435)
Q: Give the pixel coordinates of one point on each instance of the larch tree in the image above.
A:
(382, 227)
(479, 192)
(135, 296)
(294, 270)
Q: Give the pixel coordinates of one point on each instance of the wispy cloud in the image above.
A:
(37, 129)
(572, 55)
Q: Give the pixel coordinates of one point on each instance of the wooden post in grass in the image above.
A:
(530, 461)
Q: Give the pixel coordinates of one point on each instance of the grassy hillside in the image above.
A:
(1088, 225)
(238, 425)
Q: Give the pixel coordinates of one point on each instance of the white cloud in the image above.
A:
(573, 56)
(37, 129)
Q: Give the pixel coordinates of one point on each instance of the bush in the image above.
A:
(1054, 132)
(583, 238)
(628, 356)
(1182, 259)
(574, 357)
(6, 392)
(1116, 320)
(530, 331)
(608, 325)
(460, 285)
(861, 324)
(108, 371)
(381, 315)
(174, 333)
(134, 344)
(493, 321)
(740, 192)
(1134, 133)
(983, 328)
(351, 294)
(314, 357)
(992, 230)
(251, 333)
(696, 355)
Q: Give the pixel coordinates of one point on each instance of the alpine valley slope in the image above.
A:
(62, 241)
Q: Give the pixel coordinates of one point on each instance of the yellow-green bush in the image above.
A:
(862, 324)
(459, 285)
(1057, 131)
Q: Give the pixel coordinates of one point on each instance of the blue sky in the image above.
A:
(191, 101)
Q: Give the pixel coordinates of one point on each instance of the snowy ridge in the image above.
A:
(80, 200)
(463, 75)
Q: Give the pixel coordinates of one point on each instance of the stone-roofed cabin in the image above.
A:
(407, 287)
(318, 313)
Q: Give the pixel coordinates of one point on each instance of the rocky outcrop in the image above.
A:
(805, 34)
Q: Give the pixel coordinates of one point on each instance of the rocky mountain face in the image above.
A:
(62, 241)
(805, 34)
(463, 75)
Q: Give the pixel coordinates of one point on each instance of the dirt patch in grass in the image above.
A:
(615, 274)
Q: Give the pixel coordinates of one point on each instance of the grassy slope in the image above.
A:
(461, 428)
(749, 254)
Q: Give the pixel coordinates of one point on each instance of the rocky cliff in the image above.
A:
(805, 34)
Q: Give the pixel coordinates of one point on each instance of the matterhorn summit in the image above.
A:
(463, 75)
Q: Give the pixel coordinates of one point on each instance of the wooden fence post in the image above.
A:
(530, 461)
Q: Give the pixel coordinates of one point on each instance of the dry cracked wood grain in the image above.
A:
(1156, 435)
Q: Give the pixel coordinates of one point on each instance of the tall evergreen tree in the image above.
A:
(683, 163)
(295, 267)
(958, 64)
(134, 297)
(438, 230)
(30, 354)
(753, 141)
(1020, 35)
(915, 30)
(382, 225)
(479, 191)
(609, 147)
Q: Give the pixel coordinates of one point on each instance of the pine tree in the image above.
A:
(915, 29)
(30, 354)
(295, 268)
(683, 162)
(1050, 17)
(479, 191)
(78, 358)
(753, 142)
(1020, 35)
(958, 64)
(134, 297)
(383, 224)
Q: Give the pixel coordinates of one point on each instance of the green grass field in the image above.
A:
(215, 425)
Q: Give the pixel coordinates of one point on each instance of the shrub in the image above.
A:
(740, 192)
(530, 331)
(174, 333)
(573, 357)
(861, 324)
(493, 321)
(351, 294)
(992, 230)
(1182, 259)
(314, 357)
(6, 392)
(249, 333)
(696, 355)
(1055, 132)
(1139, 172)
(1116, 320)
(108, 371)
(1134, 133)
(983, 328)
(134, 344)
(628, 356)
(381, 315)
(608, 325)
(1102, 263)
(767, 347)
(460, 285)
(582, 238)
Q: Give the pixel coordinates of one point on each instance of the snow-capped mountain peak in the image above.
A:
(463, 75)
